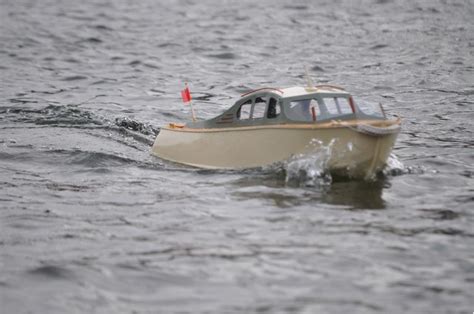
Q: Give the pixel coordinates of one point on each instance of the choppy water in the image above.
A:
(91, 223)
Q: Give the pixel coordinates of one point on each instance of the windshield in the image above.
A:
(300, 110)
(313, 109)
(371, 110)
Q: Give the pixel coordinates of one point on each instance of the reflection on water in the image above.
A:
(357, 194)
(351, 194)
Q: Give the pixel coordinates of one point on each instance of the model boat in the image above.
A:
(272, 125)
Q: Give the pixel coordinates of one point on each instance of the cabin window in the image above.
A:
(307, 110)
(244, 111)
(371, 110)
(336, 106)
(273, 109)
(302, 110)
(259, 108)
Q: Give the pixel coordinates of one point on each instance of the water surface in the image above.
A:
(92, 223)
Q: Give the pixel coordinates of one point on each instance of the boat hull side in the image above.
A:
(351, 151)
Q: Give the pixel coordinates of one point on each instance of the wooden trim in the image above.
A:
(263, 88)
(330, 86)
(309, 126)
(351, 103)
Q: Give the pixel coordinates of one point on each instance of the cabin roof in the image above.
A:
(301, 91)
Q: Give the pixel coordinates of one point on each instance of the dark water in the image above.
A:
(91, 223)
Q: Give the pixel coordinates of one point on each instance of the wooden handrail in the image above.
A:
(256, 90)
(330, 86)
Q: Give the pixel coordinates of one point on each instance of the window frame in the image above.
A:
(277, 105)
(265, 104)
(252, 99)
(238, 114)
(321, 106)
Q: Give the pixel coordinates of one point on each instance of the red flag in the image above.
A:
(186, 95)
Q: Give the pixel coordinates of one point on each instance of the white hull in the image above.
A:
(354, 153)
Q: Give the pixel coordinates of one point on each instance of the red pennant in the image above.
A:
(186, 95)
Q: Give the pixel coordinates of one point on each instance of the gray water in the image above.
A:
(90, 222)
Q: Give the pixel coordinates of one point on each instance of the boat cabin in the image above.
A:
(294, 105)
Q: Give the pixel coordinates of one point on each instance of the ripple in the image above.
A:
(53, 272)
(102, 27)
(378, 46)
(135, 62)
(224, 56)
(95, 159)
(296, 7)
(317, 68)
(67, 187)
(441, 214)
(75, 78)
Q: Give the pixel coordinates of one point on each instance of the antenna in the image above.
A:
(309, 81)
